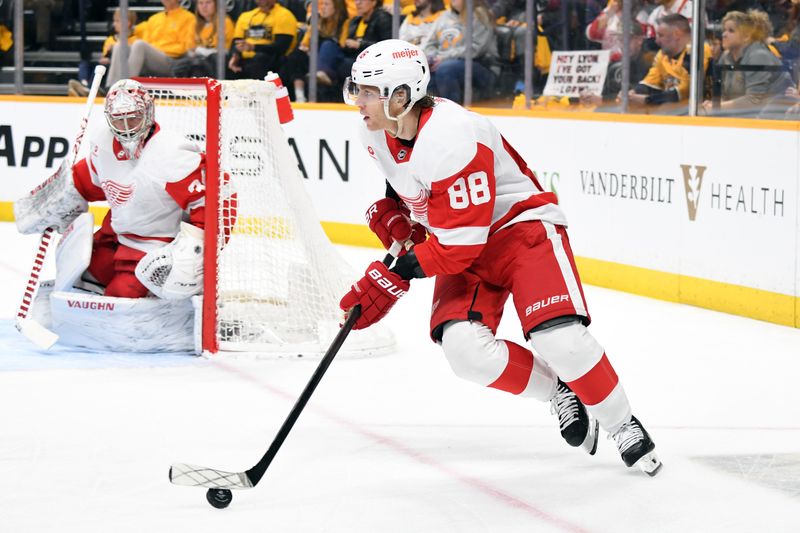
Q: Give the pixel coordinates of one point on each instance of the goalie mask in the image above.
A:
(390, 65)
(129, 113)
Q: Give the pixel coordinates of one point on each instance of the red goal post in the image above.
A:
(272, 278)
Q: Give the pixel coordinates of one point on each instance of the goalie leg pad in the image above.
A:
(40, 310)
(104, 323)
(74, 252)
(54, 203)
(175, 271)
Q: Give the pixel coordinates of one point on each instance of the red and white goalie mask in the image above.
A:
(129, 111)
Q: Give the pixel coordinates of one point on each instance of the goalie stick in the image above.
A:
(200, 476)
(35, 332)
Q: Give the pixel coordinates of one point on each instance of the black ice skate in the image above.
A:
(577, 426)
(636, 447)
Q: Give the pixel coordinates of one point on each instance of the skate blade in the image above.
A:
(649, 463)
(589, 444)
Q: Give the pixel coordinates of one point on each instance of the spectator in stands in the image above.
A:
(714, 41)
(606, 29)
(745, 92)
(262, 39)
(782, 14)
(201, 60)
(332, 29)
(564, 21)
(418, 25)
(80, 86)
(6, 44)
(446, 48)
(164, 37)
(613, 84)
(43, 12)
(510, 30)
(666, 85)
(787, 38)
(370, 25)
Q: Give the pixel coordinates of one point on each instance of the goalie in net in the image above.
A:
(150, 242)
(270, 278)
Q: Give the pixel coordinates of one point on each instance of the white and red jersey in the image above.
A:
(148, 196)
(463, 181)
(676, 7)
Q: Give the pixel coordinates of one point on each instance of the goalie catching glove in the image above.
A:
(377, 292)
(175, 271)
(390, 221)
(55, 203)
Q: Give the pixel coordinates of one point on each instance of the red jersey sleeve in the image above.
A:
(190, 193)
(460, 211)
(82, 178)
(594, 31)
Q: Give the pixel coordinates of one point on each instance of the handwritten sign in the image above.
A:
(572, 73)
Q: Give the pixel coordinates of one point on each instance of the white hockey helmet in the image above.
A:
(390, 65)
(129, 111)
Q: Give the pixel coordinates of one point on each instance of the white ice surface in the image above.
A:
(398, 443)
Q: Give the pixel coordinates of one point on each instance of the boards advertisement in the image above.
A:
(703, 213)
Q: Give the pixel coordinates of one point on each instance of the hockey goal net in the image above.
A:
(272, 278)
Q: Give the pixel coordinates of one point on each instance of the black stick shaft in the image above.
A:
(257, 472)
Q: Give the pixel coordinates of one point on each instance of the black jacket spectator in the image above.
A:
(378, 28)
(370, 26)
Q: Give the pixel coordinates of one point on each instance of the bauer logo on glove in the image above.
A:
(386, 283)
(377, 292)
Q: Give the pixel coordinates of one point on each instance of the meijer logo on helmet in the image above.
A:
(408, 52)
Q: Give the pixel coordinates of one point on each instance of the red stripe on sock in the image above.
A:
(515, 377)
(594, 386)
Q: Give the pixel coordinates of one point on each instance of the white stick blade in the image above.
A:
(37, 334)
(200, 476)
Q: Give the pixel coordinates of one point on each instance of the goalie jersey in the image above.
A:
(463, 181)
(148, 196)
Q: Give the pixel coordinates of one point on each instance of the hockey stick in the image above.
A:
(200, 476)
(35, 332)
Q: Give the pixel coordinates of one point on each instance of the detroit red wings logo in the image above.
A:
(116, 194)
(418, 206)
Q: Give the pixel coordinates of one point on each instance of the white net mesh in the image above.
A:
(279, 279)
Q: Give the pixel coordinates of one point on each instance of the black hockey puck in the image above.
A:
(219, 498)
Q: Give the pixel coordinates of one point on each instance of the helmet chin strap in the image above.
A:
(397, 118)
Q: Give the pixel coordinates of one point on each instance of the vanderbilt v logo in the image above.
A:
(692, 186)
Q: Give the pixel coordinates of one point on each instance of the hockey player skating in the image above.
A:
(493, 231)
(151, 240)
